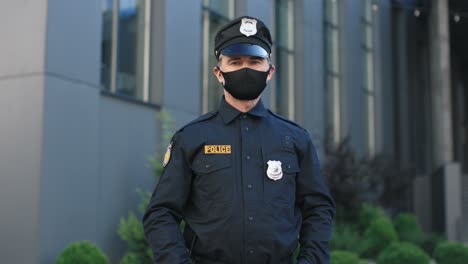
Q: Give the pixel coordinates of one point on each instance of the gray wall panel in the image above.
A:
(21, 111)
(22, 34)
(69, 184)
(74, 39)
(181, 118)
(127, 138)
(183, 70)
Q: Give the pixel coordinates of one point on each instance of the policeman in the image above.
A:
(246, 181)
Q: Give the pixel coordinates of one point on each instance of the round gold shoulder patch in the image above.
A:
(167, 156)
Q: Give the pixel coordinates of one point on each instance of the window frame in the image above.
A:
(279, 48)
(146, 56)
(333, 73)
(369, 63)
(207, 13)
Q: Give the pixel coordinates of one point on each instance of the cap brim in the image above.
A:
(242, 49)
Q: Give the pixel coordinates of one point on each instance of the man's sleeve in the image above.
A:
(317, 208)
(165, 210)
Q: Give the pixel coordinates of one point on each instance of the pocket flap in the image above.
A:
(289, 162)
(211, 163)
(291, 165)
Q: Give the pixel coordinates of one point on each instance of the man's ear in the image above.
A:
(271, 72)
(219, 75)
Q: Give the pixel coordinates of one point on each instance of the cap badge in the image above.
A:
(274, 170)
(248, 27)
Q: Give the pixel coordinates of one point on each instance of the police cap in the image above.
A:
(243, 36)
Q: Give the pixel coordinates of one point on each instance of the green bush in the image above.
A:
(367, 214)
(377, 237)
(451, 253)
(82, 253)
(130, 228)
(429, 242)
(403, 253)
(408, 228)
(343, 257)
(136, 258)
(131, 231)
(345, 237)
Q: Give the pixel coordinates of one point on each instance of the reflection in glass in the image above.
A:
(216, 14)
(222, 7)
(284, 83)
(332, 70)
(106, 44)
(215, 90)
(369, 74)
(130, 50)
(125, 47)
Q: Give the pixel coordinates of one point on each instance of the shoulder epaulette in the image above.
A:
(285, 119)
(199, 119)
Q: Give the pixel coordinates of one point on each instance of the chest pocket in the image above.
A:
(210, 163)
(281, 192)
(213, 177)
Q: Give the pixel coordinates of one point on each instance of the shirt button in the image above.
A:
(247, 157)
(251, 251)
(244, 116)
(251, 218)
(249, 186)
(246, 128)
(207, 166)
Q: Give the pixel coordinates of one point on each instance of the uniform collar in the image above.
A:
(228, 112)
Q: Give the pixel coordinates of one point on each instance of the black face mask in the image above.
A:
(245, 84)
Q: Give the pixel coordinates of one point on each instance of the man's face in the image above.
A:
(234, 63)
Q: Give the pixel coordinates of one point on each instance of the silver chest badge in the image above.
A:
(248, 27)
(274, 170)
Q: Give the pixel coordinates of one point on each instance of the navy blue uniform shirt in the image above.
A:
(217, 181)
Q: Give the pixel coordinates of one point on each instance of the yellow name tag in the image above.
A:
(217, 149)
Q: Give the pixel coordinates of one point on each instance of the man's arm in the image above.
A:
(317, 207)
(165, 210)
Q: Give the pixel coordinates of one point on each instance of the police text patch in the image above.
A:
(217, 149)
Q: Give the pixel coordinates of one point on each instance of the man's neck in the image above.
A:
(242, 105)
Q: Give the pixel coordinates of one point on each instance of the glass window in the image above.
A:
(216, 14)
(368, 57)
(332, 69)
(106, 43)
(283, 92)
(125, 47)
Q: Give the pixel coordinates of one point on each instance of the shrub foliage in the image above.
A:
(377, 237)
(403, 253)
(353, 181)
(130, 228)
(82, 252)
(343, 257)
(345, 237)
(408, 228)
(451, 253)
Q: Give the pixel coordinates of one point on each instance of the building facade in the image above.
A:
(84, 81)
